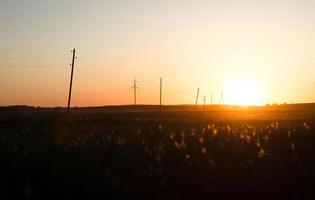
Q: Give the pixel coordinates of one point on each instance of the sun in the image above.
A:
(244, 91)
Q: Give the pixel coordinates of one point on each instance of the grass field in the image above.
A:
(128, 152)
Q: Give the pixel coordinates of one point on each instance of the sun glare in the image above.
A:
(244, 91)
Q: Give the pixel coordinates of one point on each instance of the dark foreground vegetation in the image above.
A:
(266, 153)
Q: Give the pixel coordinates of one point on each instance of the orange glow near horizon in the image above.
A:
(254, 52)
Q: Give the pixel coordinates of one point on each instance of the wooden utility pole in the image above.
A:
(160, 94)
(135, 87)
(197, 99)
(204, 102)
(71, 77)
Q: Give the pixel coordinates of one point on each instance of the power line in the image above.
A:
(116, 83)
(113, 76)
(32, 50)
(116, 80)
(100, 78)
(31, 66)
(88, 76)
(178, 92)
(101, 70)
(36, 59)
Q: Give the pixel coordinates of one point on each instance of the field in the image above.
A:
(141, 153)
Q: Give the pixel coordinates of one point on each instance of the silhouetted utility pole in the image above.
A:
(160, 94)
(135, 87)
(71, 77)
(221, 99)
(197, 99)
(204, 102)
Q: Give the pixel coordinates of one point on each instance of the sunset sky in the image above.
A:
(265, 48)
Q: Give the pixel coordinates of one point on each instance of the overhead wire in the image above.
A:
(101, 74)
(84, 68)
(97, 67)
(32, 50)
(31, 66)
(31, 59)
